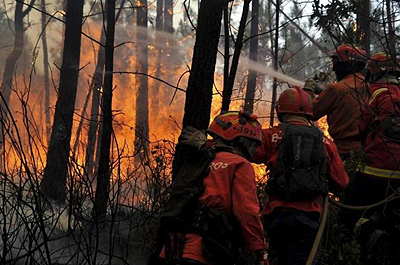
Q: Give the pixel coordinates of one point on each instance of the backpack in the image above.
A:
(300, 172)
(186, 189)
(184, 213)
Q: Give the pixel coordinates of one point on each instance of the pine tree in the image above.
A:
(53, 184)
(201, 79)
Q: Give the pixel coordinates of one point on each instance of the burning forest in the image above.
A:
(95, 95)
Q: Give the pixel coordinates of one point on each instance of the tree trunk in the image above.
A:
(159, 15)
(82, 118)
(11, 62)
(391, 33)
(94, 112)
(55, 174)
(226, 44)
(96, 84)
(103, 179)
(168, 16)
(363, 21)
(168, 61)
(201, 78)
(275, 60)
(227, 93)
(142, 104)
(159, 41)
(253, 56)
(46, 73)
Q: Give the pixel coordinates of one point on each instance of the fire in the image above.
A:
(323, 125)
(165, 103)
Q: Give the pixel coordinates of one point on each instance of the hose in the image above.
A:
(321, 227)
(393, 196)
(320, 231)
(364, 207)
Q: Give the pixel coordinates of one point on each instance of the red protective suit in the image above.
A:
(268, 154)
(230, 186)
(383, 155)
(340, 102)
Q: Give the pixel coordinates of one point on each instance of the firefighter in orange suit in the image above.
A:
(292, 219)
(340, 101)
(230, 186)
(378, 228)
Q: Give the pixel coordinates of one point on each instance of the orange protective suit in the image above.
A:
(383, 155)
(230, 186)
(340, 101)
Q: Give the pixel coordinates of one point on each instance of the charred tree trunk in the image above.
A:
(227, 93)
(142, 99)
(55, 173)
(159, 40)
(159, 15)
(96, 84)
(226, 44)
(12, 59)
(363, 21)
(253, 56)
(46, 73)
(201, 79)
(168, 16)
(103, 179)
(391, 35)
(64, 7)
(167, 60)
(80, 125)
(275, 60)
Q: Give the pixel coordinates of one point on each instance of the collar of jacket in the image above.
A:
(218, 143)
(357, 75)
(388, 80)
(293, 118)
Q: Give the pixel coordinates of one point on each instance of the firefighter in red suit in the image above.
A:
(292, 223)
(340, 100)
(378, 228)
(230, 186)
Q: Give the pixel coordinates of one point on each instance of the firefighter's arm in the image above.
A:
(338, 179)
(323, 104)
(386, 105)
(245, 206)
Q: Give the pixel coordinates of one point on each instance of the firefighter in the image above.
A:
(303, 166)
(229, 187)
(340, 101)
(378, 228)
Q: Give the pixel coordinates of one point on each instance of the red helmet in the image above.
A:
(349, 53)
(233, 124)
(381, 62)
(294, 100)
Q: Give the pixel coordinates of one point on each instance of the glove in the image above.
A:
(312, 86)
(192, 137)
(262, 257)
